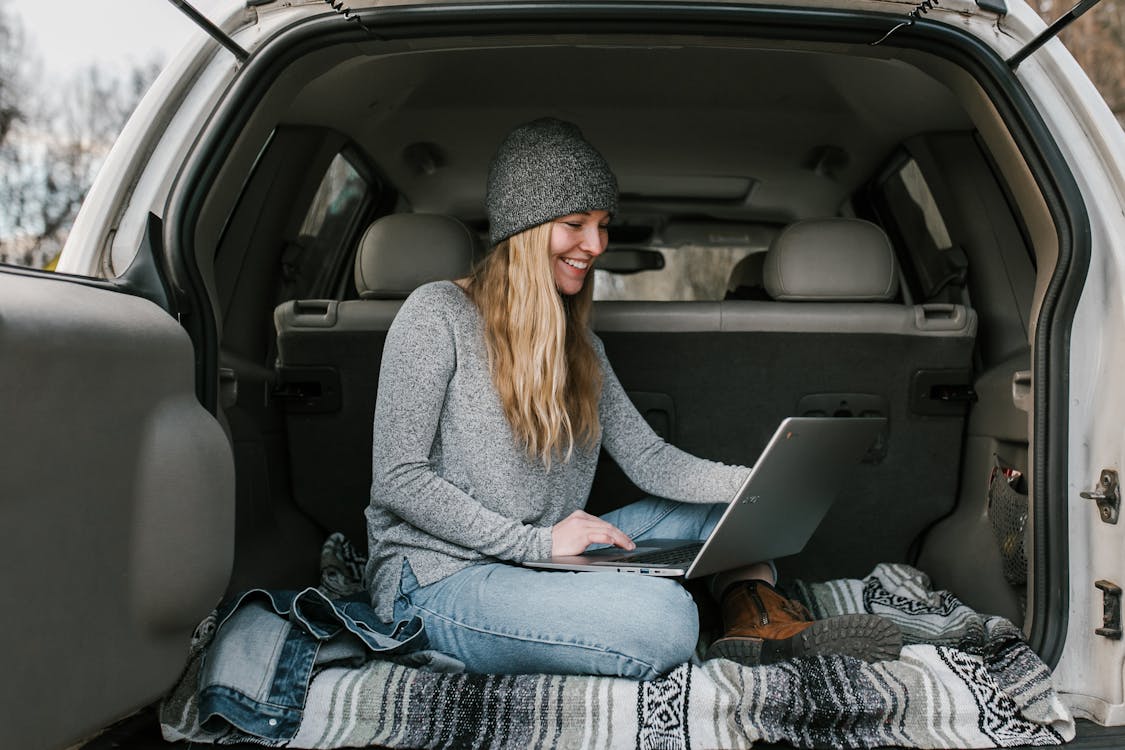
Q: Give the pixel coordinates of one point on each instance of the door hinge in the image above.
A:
(1107, 496)
(1111, 610)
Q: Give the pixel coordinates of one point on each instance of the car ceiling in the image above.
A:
(728, 132)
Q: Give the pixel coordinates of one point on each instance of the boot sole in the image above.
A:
(867, 637)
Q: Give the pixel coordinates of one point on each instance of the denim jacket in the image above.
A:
(257, 669)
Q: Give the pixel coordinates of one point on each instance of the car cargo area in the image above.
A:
(719, 147)
(739, 149)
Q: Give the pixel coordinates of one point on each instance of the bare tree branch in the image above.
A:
(51, 148)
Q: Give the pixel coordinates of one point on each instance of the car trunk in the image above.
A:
(714, 376)
(749, 120)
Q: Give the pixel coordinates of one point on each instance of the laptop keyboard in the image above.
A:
(674, 556)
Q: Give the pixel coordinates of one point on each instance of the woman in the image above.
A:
(494, 399)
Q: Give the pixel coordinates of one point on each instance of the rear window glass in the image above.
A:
(689, 274)
(702, 261)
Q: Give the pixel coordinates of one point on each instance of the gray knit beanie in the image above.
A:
(545, 169)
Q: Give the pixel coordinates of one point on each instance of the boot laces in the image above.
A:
(796, 610)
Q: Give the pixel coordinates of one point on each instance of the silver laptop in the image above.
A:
(773, 514)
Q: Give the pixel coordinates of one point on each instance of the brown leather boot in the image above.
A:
(761, 626)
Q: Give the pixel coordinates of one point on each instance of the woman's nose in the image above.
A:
(593, 240)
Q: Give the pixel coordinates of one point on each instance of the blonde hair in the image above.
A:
(539, 352)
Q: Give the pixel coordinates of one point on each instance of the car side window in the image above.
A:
(313, 265)
(934, 266)
(292, 232)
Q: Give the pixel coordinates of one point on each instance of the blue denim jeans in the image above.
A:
(506, 619)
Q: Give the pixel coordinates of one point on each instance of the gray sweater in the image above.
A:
(450, 486)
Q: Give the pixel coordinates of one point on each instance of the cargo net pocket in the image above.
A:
(1007, 511)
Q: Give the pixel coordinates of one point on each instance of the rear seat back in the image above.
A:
(329, 354)
(717, 377)
(831, 260)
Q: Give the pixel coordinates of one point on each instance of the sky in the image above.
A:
(65, 35)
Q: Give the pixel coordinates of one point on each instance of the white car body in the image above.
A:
(145, 170)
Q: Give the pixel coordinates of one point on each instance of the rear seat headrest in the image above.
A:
(831, 260)
(400, 252)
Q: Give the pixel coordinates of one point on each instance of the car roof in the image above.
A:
(721, 128)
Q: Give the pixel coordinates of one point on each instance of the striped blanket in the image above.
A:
(963, 680)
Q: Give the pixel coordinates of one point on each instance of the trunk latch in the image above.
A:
(1107, 496)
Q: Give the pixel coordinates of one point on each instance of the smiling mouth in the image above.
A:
(580, 265)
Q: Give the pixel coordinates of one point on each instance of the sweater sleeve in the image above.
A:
(652, 464)
(419, 359)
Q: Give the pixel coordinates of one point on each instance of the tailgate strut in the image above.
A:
(211, 29)
(1051, 31)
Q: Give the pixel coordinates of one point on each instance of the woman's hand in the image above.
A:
(576, 532)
